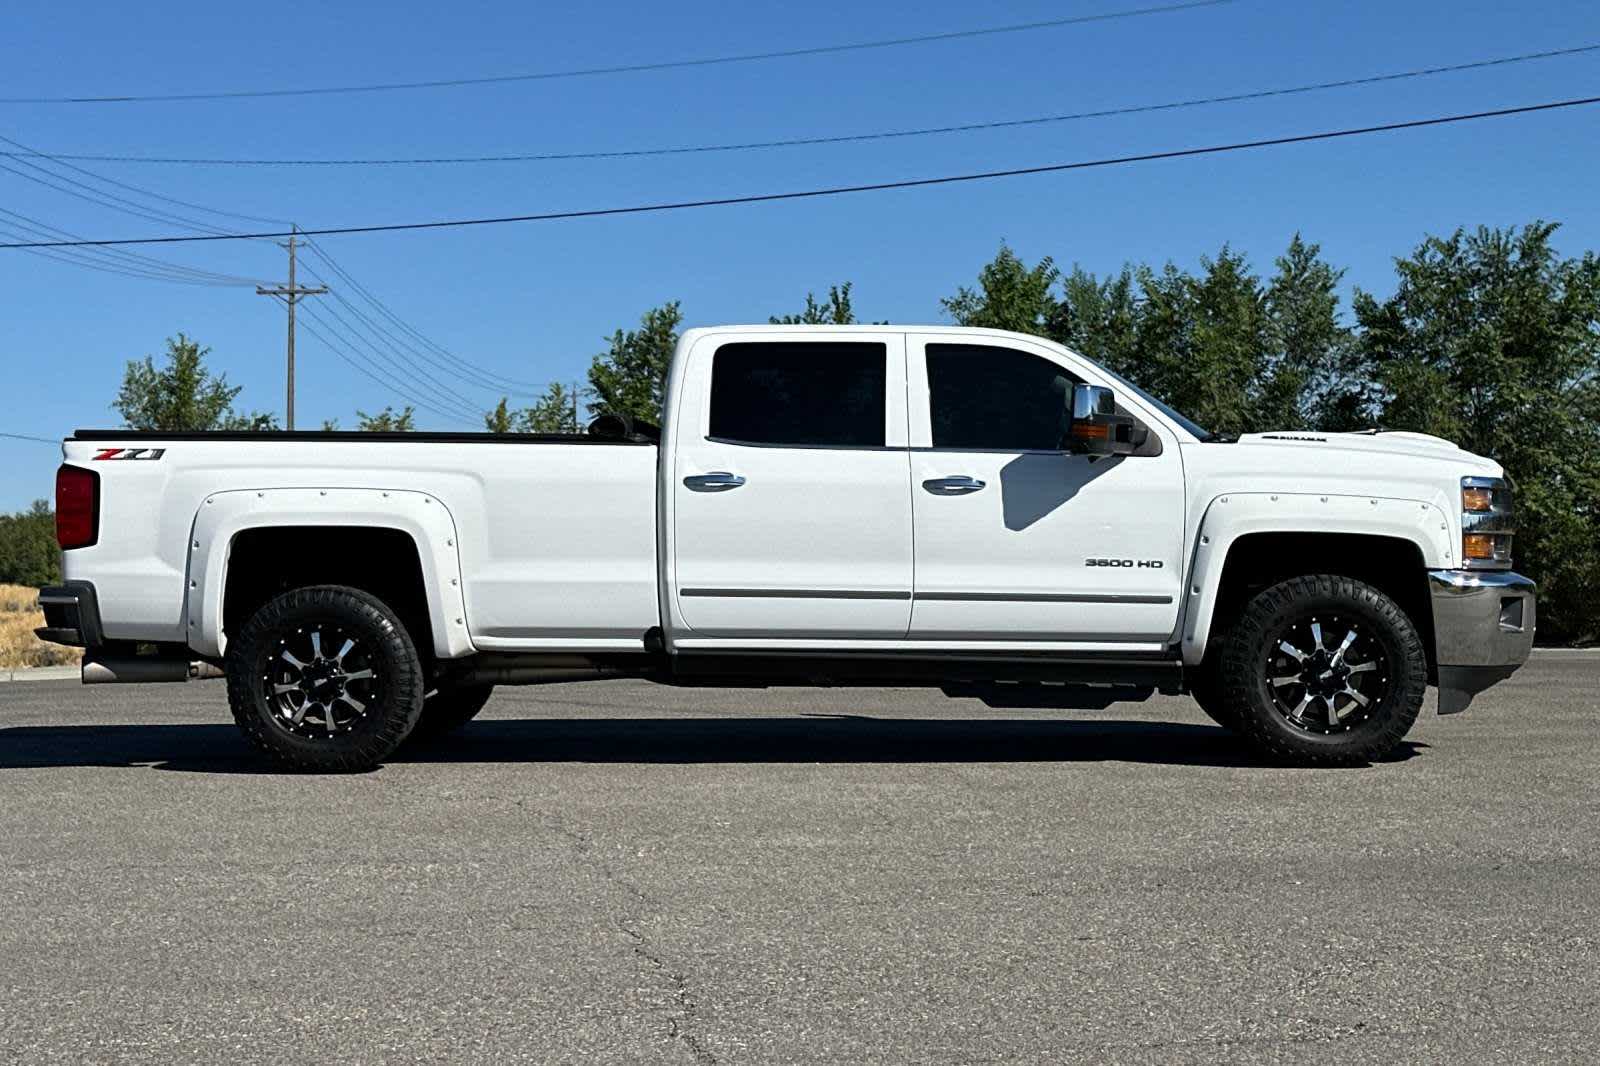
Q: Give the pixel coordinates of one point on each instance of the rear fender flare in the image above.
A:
(224, 515)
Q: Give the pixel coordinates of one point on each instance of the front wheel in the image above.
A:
(1324, 670)
(325, 678)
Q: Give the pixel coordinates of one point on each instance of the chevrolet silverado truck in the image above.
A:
(970, 510)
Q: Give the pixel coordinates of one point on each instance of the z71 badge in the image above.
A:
(129, 453)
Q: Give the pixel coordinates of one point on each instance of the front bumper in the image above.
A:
(1483, 623)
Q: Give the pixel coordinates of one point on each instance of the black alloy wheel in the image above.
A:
(325, 678)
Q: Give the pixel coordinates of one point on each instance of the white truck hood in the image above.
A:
(1373, 443)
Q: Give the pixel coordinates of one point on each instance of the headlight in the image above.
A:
(1487, 524)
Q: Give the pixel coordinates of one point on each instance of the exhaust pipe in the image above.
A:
(143, 669)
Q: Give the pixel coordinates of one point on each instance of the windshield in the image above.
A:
(1199, 431)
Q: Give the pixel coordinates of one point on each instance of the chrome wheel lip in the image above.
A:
(1327, 672)
(318, 680)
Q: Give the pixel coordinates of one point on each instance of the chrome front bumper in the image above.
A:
(1483, 622)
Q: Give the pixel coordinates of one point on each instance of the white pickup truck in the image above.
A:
(971, 510)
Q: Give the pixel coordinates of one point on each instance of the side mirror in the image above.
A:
(1095, 426)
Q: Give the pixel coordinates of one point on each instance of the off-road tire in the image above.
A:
(1255, 636)
(448, 708)
(396, 682)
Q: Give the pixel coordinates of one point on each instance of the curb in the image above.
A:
(40, 673)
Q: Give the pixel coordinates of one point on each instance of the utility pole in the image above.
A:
(290, 294)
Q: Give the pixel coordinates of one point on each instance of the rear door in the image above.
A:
(791, 499)
(1017, 538)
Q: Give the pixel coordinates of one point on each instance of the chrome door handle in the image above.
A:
(716, 481)
(953, 486)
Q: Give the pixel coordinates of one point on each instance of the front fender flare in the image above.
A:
(224, 515)
(1237, 514)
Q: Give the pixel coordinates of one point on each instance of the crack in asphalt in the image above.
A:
(680, 1028)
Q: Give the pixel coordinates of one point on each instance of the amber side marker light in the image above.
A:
(1486, 547)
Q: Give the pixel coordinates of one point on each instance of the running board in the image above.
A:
(932, 669)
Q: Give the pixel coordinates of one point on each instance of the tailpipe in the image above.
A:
(143, 669)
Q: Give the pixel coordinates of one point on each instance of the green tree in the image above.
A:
(1233, 354)
(630, 377)
(387, 420)
(501, 419)
(1010, 295)
(1101, 320)
(28, 552)
(182, 395)
(835, 311)
(554, 412)
(1314, 374)
(1492, 340)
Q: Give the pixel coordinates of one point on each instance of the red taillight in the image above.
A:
(77, 507)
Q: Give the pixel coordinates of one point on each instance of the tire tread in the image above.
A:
(362, 752)
(1256, 723)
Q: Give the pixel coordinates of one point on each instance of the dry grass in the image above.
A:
(19, 616)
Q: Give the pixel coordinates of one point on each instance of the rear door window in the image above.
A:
(824, 395)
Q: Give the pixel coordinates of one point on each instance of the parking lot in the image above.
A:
(616, 872)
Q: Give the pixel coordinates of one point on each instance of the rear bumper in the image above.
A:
(1483, 625)
(71, 615)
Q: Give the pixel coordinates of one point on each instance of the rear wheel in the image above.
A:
(325, 678)
(1324, 670)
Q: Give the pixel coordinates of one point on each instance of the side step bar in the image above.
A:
(143, 669)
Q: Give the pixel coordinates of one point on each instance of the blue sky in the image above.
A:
(533, 302)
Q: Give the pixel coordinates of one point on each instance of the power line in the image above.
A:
(28, 152)
(848, 138)
(362, 364)
(444, 393)
(390, 369)
(24, 436)
(115, 260)
(631, 68)
(75, 259)
(120, 261)
(482, 376)
(103, 199)
(841, 190)
(290, 294)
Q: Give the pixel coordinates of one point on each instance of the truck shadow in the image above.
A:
(803, 739)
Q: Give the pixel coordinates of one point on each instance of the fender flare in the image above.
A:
(1237, 514)
(424, 518)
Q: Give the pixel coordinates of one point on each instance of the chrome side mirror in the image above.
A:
(1097, 429)
(1089, 401)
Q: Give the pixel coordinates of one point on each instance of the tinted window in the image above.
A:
(984, 397)
(830, 395)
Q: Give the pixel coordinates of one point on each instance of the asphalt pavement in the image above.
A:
(614, 872)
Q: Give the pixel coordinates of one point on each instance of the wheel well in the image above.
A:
(384, 562)
(1392, 565)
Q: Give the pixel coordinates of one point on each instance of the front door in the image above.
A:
(1018, 539)
(791, 500)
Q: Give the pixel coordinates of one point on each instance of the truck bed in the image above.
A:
(553, 536)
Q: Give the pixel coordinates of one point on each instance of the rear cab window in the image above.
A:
(819, 395)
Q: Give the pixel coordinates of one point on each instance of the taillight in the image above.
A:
(77, 507)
